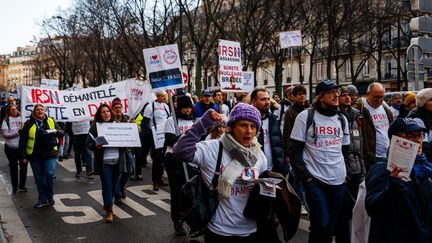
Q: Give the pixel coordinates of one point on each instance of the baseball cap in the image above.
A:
(407, 124)
(206, 93)
(325, 85)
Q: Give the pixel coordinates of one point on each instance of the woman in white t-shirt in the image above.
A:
(242, 163)
(10, 129)
(108, 161)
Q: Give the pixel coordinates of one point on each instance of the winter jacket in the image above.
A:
(277, 148)
(369, 132)
(400, 211)
(200, 108)
(99, 153)
(46, 144)
(426, 116)
(354, 160)
(289, 119)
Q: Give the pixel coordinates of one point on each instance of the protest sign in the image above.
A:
(248, 81)
(402, 154)
(164, 67)
(119, 134)
(230, 66)
(83, 104)
(49, 83)
(290, 39)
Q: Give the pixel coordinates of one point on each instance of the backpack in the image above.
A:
(310, 121)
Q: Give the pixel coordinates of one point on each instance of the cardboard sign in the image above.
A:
(230, 66)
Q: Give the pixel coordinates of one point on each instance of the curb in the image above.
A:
(12, 228)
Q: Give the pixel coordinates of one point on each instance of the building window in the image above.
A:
(319, 71)
(348, 68)
(265, 81)
(366, 68)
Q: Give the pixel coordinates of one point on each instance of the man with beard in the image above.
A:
(270, 136)
(204, 104)
(318, 137)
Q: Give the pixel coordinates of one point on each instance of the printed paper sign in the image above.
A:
(158, 136)
(82, 104)
(119, 134)
(164, 67)
(230, 66)
(248, 82)
(290, 39)
(402, 154)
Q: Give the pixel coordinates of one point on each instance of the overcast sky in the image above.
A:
(20, 20)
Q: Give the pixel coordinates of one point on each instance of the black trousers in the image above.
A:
(176, 179)
(139, 160)
(211, 237)
(12, 156)
(158, 165)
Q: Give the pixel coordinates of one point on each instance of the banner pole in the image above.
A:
(173, 113)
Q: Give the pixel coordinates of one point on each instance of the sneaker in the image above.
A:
(156, 187)
(78, 174)
(60, 158)
(132, 178)
(197, 233)
(22, 189)
(90, 173)
(123, 195)
(51, 202)
(118, 201)
(40, 205)
(139, 178)
(179, 230)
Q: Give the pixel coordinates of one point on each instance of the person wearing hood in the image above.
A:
(424, 112)
(173, 166)
(242, 163)
(39, 145)
(400, 207)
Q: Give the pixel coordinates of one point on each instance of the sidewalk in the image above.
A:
(12, 229)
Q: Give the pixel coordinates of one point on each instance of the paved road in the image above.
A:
(77, 215)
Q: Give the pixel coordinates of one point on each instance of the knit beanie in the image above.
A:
(344, 90)
(116, 101)
(184, 102)
(423, 96)
(409, 97)
(243, 111)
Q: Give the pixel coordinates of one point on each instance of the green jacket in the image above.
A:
(369, 132)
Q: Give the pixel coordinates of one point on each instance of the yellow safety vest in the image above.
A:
(139, 119)
(32, 136)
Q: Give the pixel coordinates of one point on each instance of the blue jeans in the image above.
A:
(324, 202)
(109, 178)
(44, 172)
(81, 151)
(124, 176)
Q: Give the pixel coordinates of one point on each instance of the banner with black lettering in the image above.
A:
(82, 104)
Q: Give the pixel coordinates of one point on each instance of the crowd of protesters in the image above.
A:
(333, 150)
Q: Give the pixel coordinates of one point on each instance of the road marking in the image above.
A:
(138, 207)
(120, 213)
(156, 199)
(90, 215)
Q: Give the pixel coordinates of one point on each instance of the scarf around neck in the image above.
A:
(242, 158)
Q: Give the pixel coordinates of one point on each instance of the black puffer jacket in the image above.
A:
(45, 143)
(277, 147)
(426, 116)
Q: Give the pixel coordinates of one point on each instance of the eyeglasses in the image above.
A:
(378, 97)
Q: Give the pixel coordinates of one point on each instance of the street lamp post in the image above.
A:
(189, 65)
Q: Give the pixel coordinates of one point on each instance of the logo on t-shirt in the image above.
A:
(328, 136)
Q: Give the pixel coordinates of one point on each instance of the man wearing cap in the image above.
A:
(424, 112)
(155, 116)
(375, 123)
(354, 93)
(242, 163)
(270, 136)
(204, 104)
(319, 137)
(354, 164)
(400, 207)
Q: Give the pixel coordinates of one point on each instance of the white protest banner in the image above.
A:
(49, 83)
(248, 81)
(119, 134)
(164, 67)
(230, 66)
(290, 39)
(83, 104)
